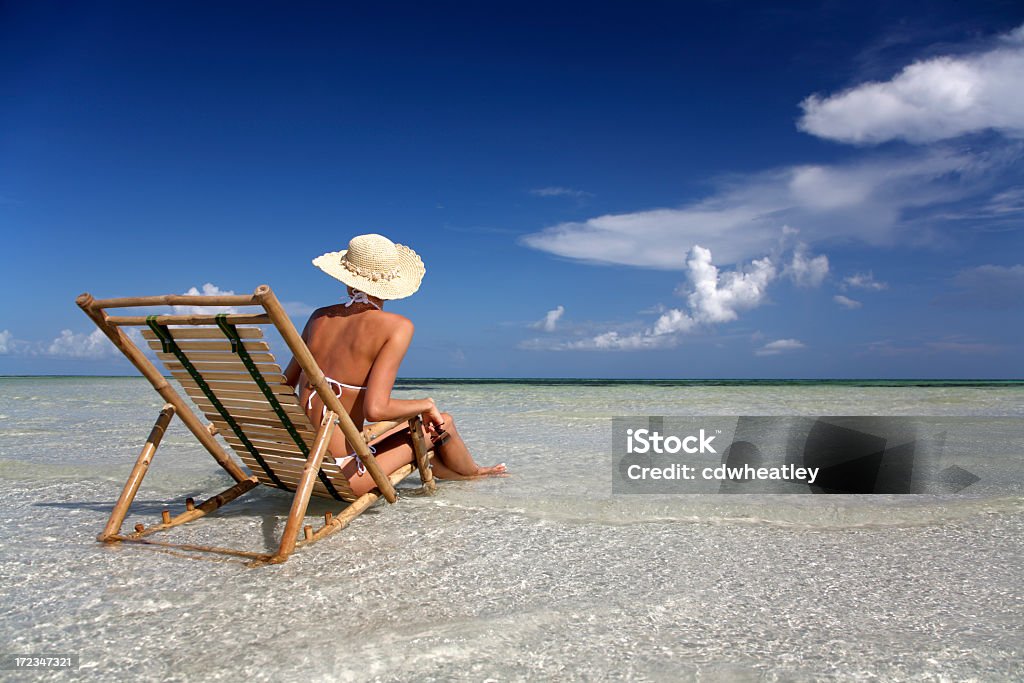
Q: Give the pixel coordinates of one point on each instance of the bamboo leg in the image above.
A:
(419, 447)
(132, 352)
(342, 519)
(305, 488)
(131, 487)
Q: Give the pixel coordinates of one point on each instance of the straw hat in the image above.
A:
(375, 265)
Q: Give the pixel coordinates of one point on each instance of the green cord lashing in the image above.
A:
(168, 345)
(238, 348)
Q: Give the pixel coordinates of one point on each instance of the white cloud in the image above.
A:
(556, 191)
(864, 281)
(716, 299)
(71, 345)
(209, 289)
(779, 346)
(865, 201)
(6, 341)
(712, 297)
(846, 302)
(550, 319)
(929, 100)
(615, 341)
(806, 270)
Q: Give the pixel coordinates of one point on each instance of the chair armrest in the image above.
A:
(373, 431)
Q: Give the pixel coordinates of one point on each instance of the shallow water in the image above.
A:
(543, 574)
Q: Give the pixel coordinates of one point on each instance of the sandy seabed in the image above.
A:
(543, 575)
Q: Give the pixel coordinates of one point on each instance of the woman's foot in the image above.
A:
(492, 471)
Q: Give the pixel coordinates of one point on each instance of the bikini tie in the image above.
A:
(360, 298)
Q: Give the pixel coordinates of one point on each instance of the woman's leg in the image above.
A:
(454, 457)
(392, 452)
(451, 459)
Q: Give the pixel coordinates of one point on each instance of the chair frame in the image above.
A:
(335, 417)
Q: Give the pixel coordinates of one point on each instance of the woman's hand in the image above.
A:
(432, 418)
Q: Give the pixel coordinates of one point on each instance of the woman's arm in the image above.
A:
(377, 403)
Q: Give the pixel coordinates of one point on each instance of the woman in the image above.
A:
(359, 347)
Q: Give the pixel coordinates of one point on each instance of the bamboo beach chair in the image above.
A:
(225, 367)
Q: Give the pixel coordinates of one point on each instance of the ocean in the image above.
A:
(540, 575)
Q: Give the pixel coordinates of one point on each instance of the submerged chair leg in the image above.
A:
(131, 487)
(305, 488)
(419, 447)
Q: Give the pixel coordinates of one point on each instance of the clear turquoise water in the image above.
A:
(540, 575)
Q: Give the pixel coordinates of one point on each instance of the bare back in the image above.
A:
(362, 348)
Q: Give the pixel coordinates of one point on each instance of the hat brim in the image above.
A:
(410, 274)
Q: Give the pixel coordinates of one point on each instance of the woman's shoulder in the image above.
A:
(385, 319)
(394, 320)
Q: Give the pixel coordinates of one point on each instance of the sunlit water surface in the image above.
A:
(542, 574)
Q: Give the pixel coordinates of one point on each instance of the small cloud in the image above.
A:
(209, 289)
(806, 270)
(864, 281)
(656, 309)
(556, 191)
(6, 341)
(779, 346)
(550, 319)
(1009, 201)
(846, 302)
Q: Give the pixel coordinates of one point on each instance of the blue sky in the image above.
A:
(598, 190)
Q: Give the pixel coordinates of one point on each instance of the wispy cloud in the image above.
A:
(968, 348)
(550, 319)
(779, 346)
(878, 201)
(934, 99)
(846, 302)
(955, 344)
(805, 269)
(863, 281)
(988, 286)
(558, 191)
